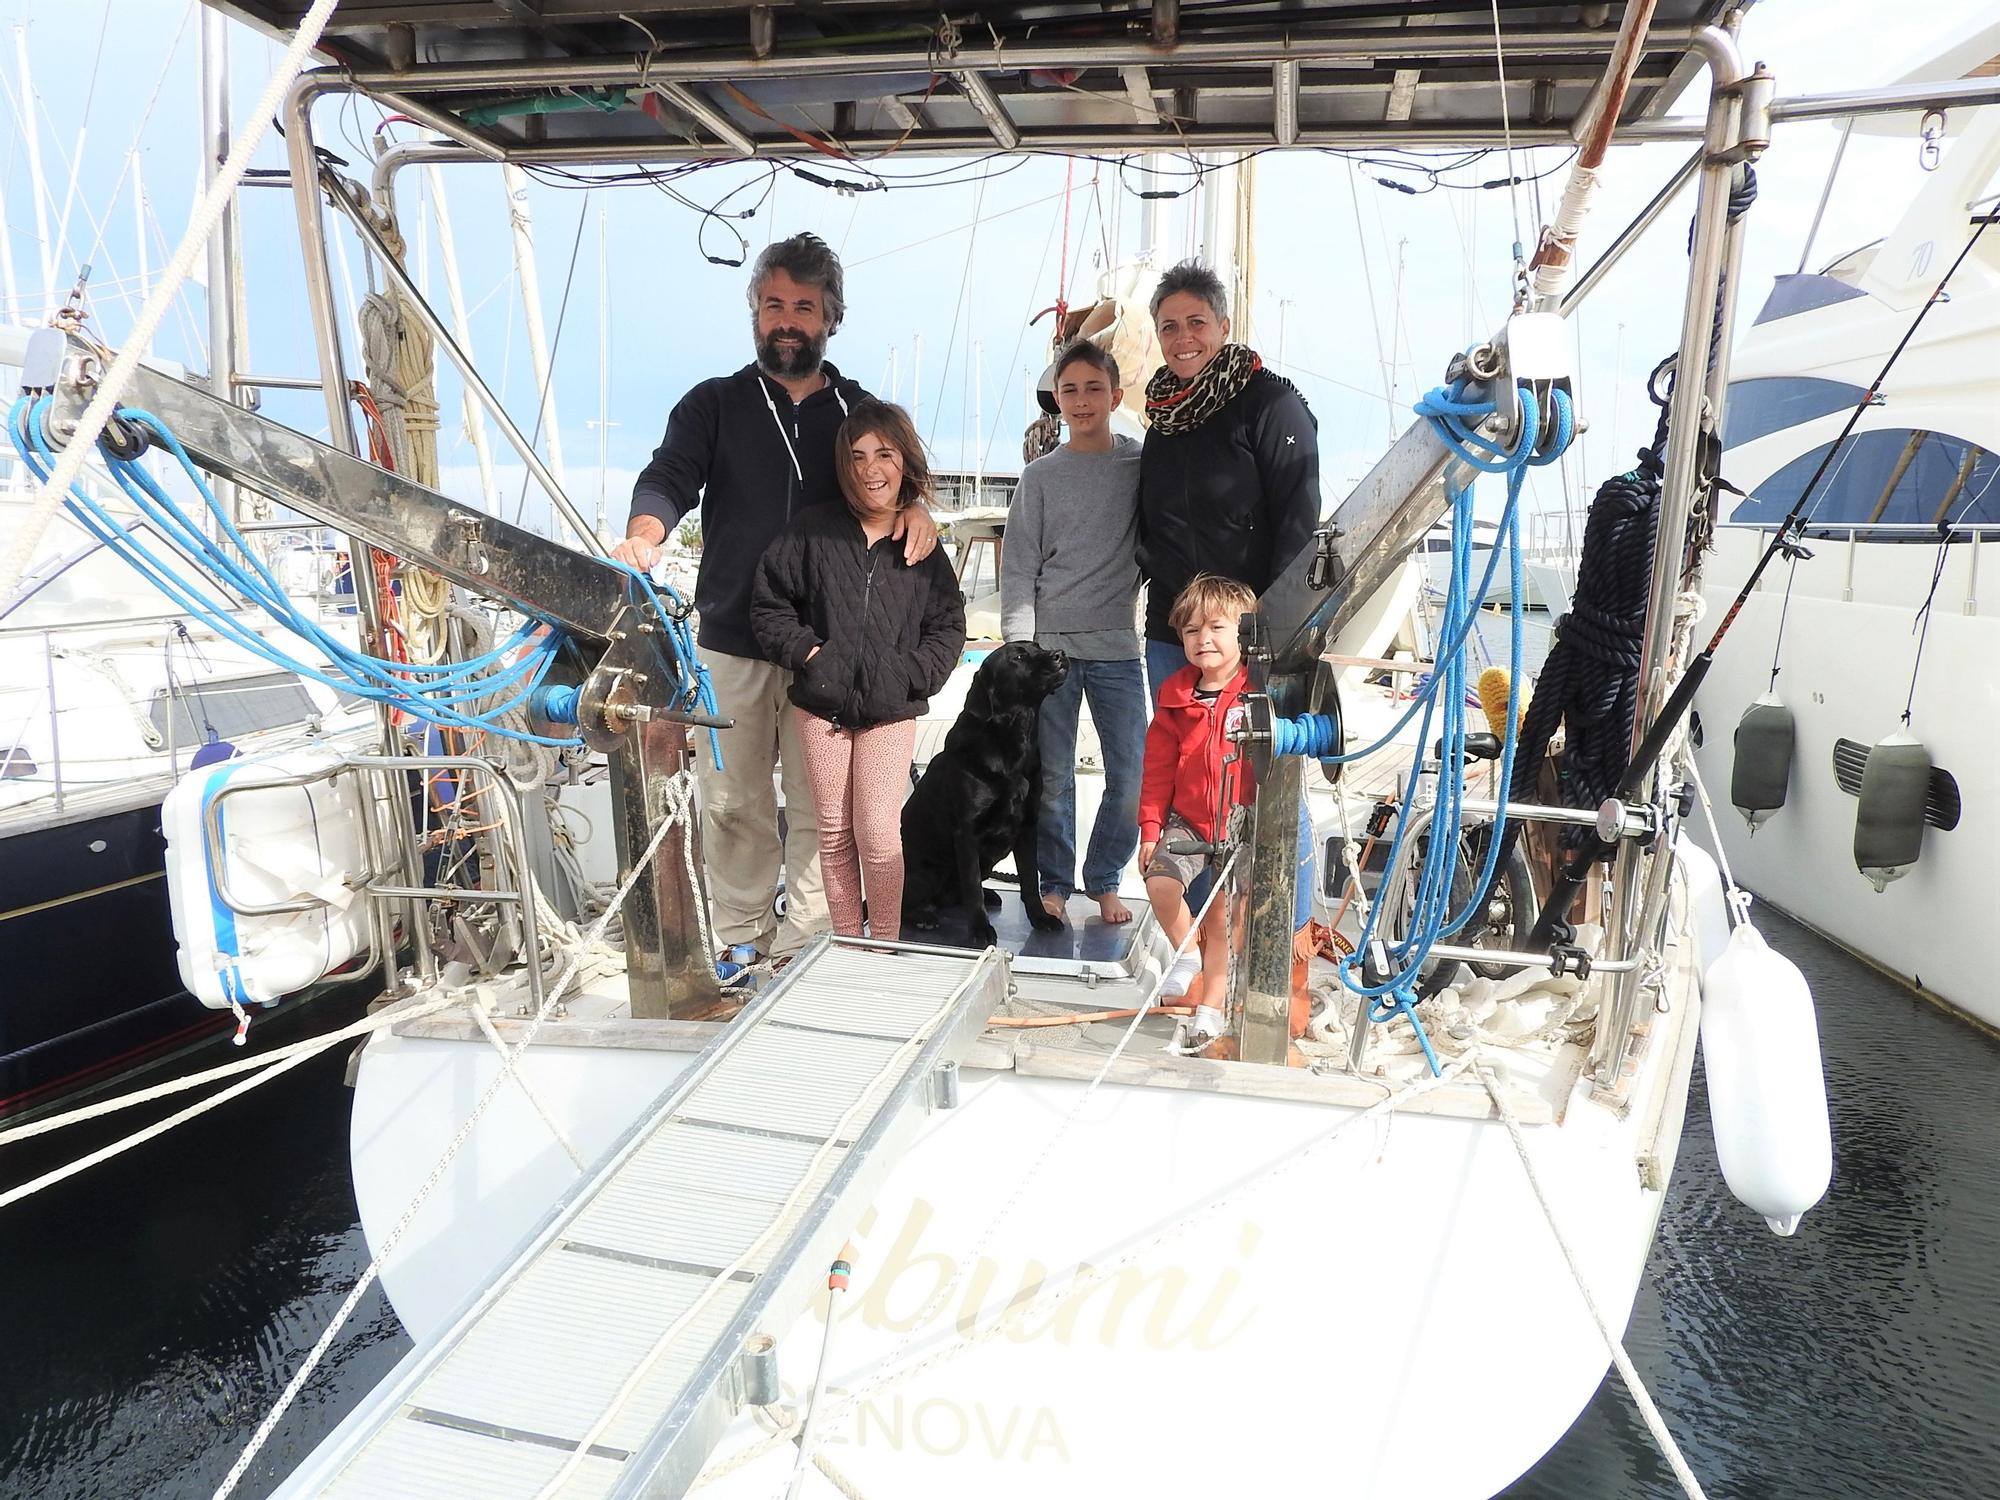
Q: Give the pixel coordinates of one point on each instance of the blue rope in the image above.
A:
(1310, 735)
(556, 703)
(1444, 697)
(510, 673)
(696, 690)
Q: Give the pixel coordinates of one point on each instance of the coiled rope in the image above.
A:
(1589, 681)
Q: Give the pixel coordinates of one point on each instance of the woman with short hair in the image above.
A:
(1229, 479)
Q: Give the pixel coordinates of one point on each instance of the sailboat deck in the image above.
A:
(1541, 1078)
(1090, 965)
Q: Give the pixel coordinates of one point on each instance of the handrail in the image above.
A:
(1910, 528)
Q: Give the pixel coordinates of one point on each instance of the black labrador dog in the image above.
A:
(981, 796)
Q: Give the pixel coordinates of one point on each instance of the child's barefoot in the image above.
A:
(1054, 905)
(1112, 909)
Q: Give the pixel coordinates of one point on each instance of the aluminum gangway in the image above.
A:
(711, 1222)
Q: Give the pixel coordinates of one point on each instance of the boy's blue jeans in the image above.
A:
(1118, 708)
(1163, 659)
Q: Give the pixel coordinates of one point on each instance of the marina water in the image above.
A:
(152, 1309)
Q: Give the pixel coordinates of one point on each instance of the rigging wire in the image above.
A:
(214, 201)
(145, 118)
(1507, 130)
(1368, 283)
(957, 309)
(1021, 333)
(1921, 626)
(555, 347)
(1795, 521)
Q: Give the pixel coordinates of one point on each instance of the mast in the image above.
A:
(139, 228)
(215, 145)
(978, 424)
(15, 312)
(603, 423)
(461, 328)
(31, 138)
(1225, 239)
(221, 248)
(522, 218)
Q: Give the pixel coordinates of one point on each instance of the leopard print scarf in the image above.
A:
(1174, 406)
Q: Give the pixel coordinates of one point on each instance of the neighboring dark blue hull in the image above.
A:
(89, 987)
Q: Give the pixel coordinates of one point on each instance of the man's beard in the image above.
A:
(800, 362)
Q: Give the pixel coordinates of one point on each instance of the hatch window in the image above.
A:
(231, 707)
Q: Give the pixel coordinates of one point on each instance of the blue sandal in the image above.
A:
(732, 965)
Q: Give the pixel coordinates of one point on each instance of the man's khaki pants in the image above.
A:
(739, 812)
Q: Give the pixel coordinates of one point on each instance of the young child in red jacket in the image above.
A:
(1190, 771)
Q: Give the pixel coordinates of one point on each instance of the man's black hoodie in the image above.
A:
(738, 446)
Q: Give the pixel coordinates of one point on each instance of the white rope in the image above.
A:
(1648, 1412)
(1736, 899)
(807, 1182)
(680, 794)
(1507, 131)
(208, 214)
(1087, 1275)
(528, 1090)
(847, 1487)
(381, 1020)
(810, 1418)
(105, 1153)
(394, 1237)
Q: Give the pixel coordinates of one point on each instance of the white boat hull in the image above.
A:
(1846, 675)
(1360, 1281)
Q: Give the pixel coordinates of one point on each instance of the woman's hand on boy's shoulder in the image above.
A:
(917, 532)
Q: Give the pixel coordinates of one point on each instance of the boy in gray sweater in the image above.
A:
(1069, 582)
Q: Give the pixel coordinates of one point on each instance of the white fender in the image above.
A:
(1766, 1090)
(278, 843)
(1707, 901)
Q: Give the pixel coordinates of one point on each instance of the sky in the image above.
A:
(1366, 291)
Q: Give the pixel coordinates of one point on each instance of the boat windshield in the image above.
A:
(76, 580)
(1902, 481)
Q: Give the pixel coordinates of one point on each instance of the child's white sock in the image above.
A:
(1181, 976)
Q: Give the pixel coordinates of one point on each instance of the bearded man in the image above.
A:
(753, 449)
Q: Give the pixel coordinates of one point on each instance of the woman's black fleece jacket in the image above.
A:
(1238, 496)
(889, 633)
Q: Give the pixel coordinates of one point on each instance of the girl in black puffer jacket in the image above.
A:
(868, 638)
